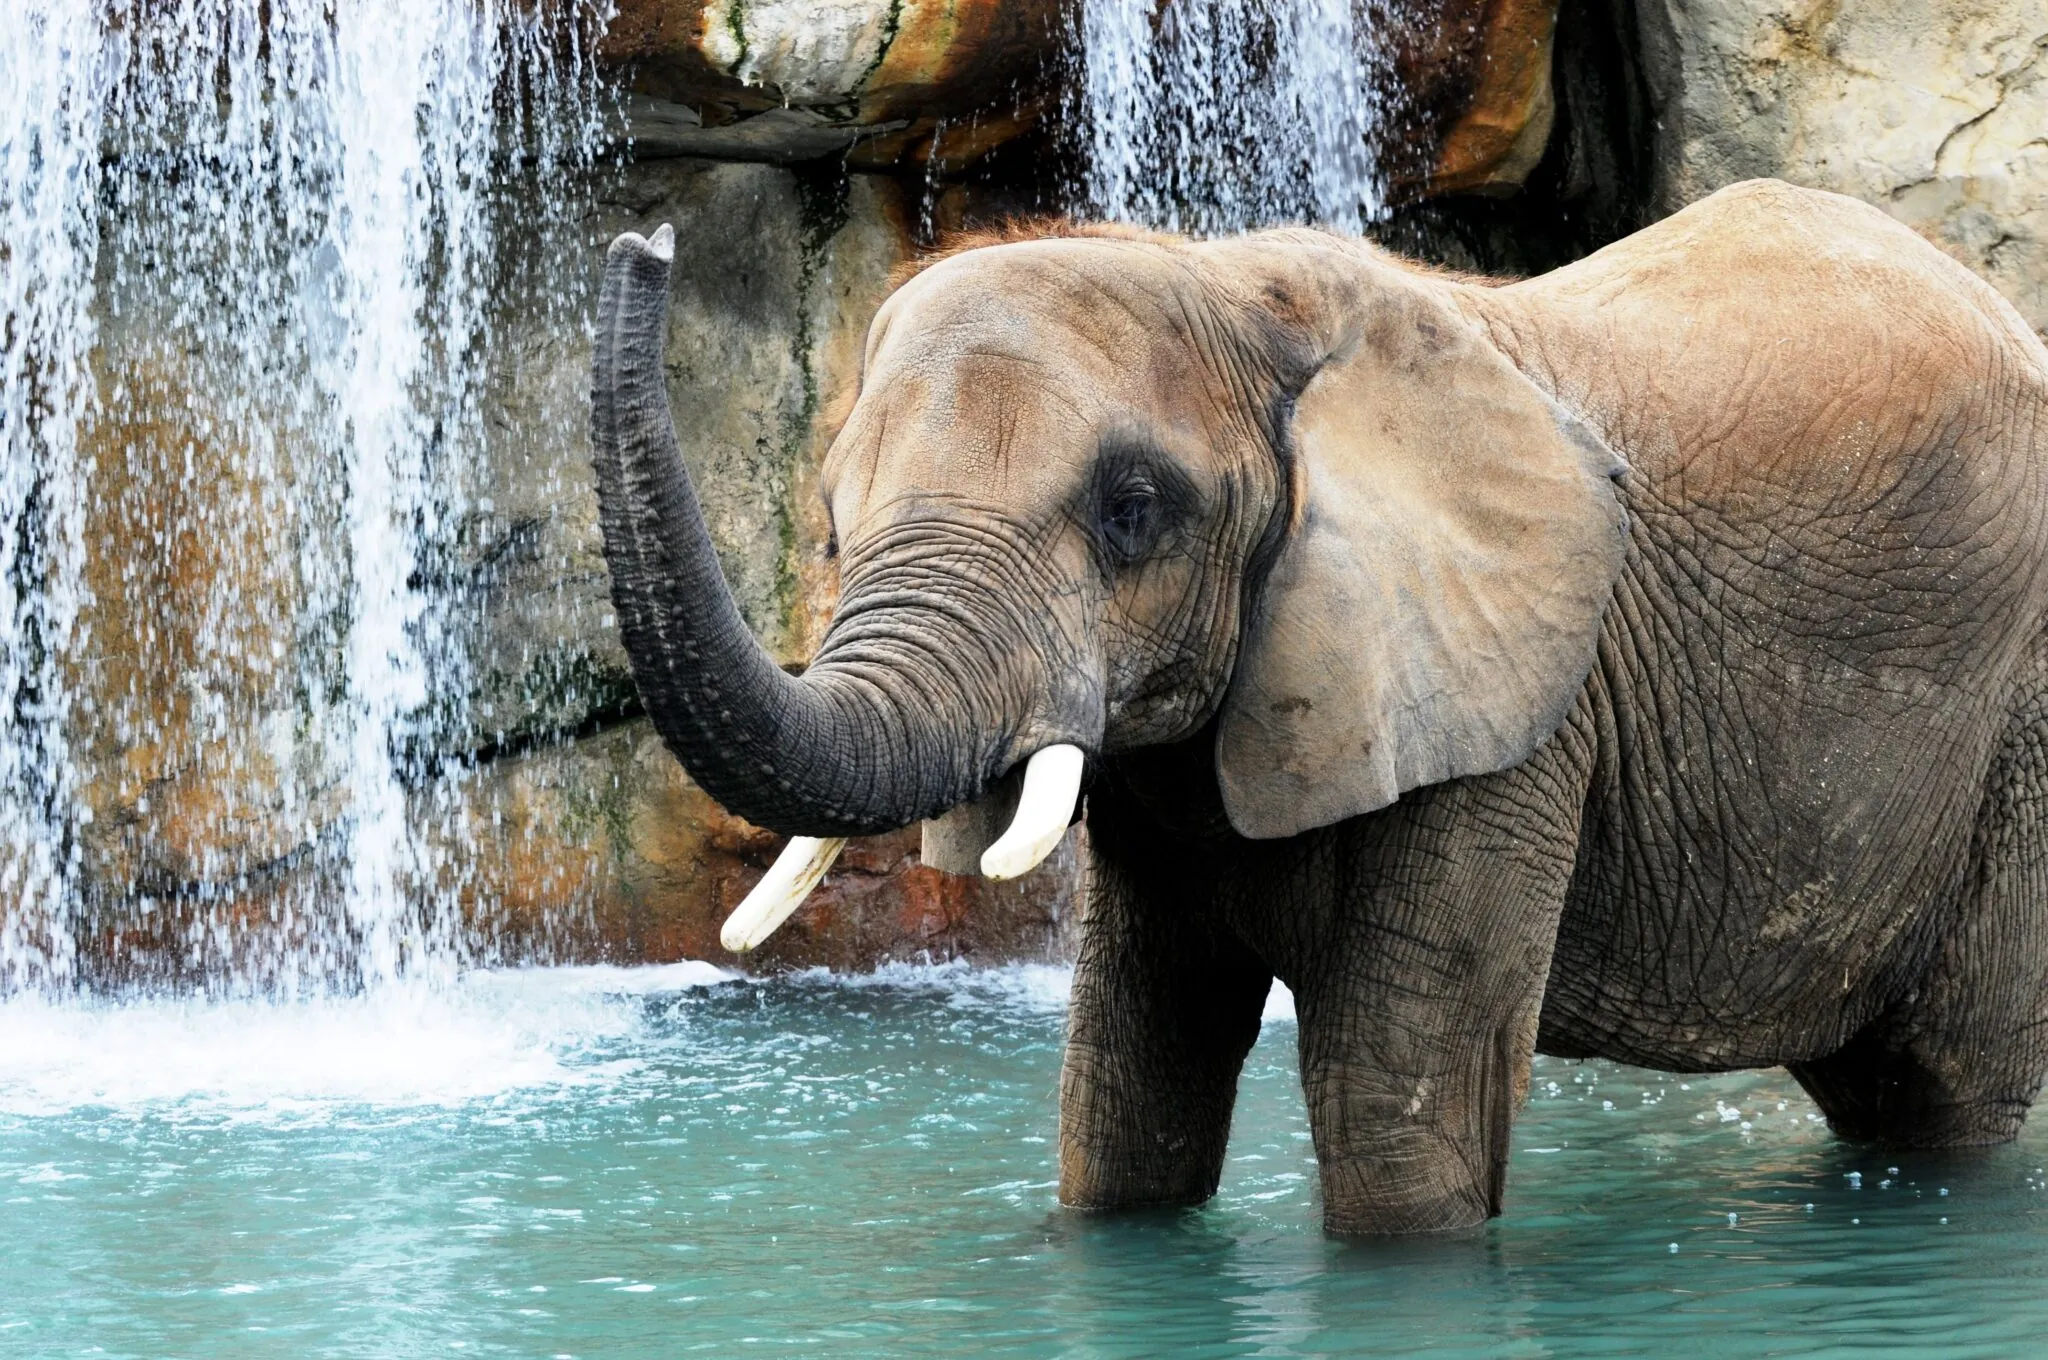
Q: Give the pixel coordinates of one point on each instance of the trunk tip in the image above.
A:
(660, 246)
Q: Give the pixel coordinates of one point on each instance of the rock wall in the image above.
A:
(564, 830)
(1526, 132)
(801, 150)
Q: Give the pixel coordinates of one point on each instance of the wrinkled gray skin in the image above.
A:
(1398, 687)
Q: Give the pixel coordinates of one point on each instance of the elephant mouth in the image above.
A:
(1045, 806)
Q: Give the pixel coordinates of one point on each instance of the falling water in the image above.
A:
(51, 71)
(247, 256)
(1211, 116)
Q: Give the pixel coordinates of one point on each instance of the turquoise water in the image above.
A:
(656, 1162)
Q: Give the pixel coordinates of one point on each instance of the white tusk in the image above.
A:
(788, 882)
(1052, 781)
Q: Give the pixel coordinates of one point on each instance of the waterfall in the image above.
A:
(246, 261)
(51, 75)
(1213, 116)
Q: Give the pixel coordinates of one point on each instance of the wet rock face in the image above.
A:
(558, 824)
(1934, 113)
(190, 769)
(788, 142)
(605, 850)
(881, 82)
(775, 278)
(1475, 108)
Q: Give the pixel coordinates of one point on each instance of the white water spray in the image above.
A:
(52, 76)
(412, 129)
(1213, 116)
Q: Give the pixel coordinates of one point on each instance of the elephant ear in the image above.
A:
(1436, 599)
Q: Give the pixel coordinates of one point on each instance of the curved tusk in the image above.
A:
(788, 882)
(1052, 781)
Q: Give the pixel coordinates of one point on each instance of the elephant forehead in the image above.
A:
(996, 374)
(987, 427)
(1110, 308)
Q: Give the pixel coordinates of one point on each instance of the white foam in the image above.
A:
(491, 1034)
(1037, 988)
(488, 1036)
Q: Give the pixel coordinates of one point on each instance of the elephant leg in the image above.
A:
(1165, 1006)
(1960, 1061)
(1418, 1002)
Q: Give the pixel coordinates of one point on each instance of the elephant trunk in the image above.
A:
(830, 754)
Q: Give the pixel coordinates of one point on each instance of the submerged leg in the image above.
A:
(1165, 1006)
(1420, 991)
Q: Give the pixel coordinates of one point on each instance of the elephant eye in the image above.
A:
(1128, 520)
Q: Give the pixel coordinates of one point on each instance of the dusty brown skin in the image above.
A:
(1400, 687)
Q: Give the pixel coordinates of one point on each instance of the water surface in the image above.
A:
(652, 1162)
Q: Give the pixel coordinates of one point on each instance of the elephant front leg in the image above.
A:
(1165, 1006)
(1418, 993)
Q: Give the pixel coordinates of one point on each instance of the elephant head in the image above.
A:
(1098, 490)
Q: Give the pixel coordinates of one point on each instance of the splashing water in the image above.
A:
(248, 254)
(1213, 116)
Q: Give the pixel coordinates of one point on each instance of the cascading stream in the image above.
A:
(1214, 116)
(248, 251)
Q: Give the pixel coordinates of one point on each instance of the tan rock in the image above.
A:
(1935, 114)
(602, 848)
(776, 277)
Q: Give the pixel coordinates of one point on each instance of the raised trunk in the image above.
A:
(833, 753)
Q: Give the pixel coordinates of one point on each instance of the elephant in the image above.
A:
(1644, 660)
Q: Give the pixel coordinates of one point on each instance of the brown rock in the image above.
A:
(604, 849)
(1495, 93)
(184, 720)
(890, 81)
